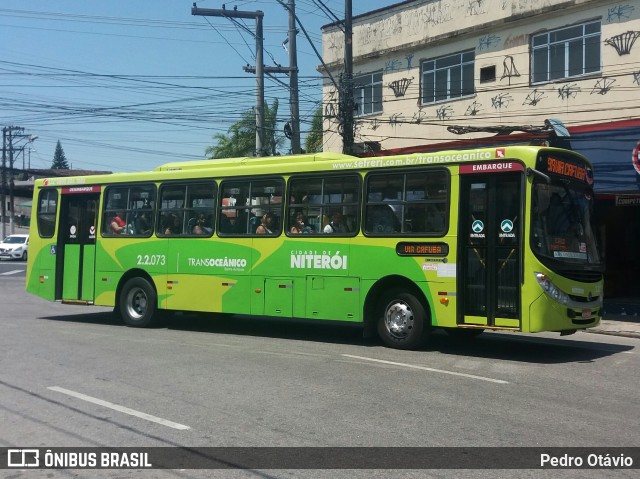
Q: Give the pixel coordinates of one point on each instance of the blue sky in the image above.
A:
(128, 85)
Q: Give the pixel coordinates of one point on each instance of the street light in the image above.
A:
(31, 139)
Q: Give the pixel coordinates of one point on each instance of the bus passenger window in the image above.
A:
(251, 207)
(47, 206)
(183, 206)
(407, 203)
(331, 204)
(128, 210)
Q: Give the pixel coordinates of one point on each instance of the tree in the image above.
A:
(240, 139)
(313, 143)
(59, 160)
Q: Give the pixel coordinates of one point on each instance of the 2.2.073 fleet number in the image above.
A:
(152, 260)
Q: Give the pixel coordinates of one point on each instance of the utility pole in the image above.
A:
(257, 16)
(346, 85)
(7, 178)
(293, 133)
(293, 80)
(12, 209)
(3, 185)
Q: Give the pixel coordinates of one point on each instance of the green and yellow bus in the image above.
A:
(469, 240)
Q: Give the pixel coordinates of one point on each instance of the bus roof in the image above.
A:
(248, 160)
(292, 164)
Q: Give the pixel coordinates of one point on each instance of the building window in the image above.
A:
(565, 53)
(488, 74)
(367, 93)
(447, 77)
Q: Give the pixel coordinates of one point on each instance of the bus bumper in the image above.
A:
(546, 314)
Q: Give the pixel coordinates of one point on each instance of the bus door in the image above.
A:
(76, 255)
(490, 244)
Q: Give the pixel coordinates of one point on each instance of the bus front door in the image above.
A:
(490, 241)
(75, 263)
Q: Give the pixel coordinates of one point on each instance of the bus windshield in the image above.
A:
(562, 224)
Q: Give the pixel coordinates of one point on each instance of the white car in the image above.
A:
(15, 247)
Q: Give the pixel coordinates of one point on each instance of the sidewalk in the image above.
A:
(618, 325)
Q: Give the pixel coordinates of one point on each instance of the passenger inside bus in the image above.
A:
(266, 225)
(142, 224)
(172, 225)
(117, 223)
(231, 224)
(336, 225)
(382, 219)
(300, 225)
(204, 224)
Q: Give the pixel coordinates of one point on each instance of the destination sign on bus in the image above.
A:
(76, 190)
(422, 249)
(565, 168)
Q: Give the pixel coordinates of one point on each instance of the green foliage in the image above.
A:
(240, 139)
(59, 160)
(313, 143)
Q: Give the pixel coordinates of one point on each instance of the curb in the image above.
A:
(626, 334)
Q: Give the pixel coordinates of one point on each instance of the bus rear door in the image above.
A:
(490, 243)
(75, 264)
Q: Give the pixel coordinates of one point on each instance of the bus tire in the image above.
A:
(137, 303)
(401, 320)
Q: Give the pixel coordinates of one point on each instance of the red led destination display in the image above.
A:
(569, 168)
(407, 248)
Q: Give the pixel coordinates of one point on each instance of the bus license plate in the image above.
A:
(586, 313)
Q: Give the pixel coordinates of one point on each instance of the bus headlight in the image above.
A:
(551, 289)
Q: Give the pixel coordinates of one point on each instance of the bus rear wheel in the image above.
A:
(401, 320)
(137, 303)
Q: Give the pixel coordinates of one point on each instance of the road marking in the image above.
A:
(423, 368)
(15, 271)
(119, 408)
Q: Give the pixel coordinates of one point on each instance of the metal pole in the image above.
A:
(347, 82)
(12, 210)
(293, 80)
(258, 16)
(260, 137)
(3, 196)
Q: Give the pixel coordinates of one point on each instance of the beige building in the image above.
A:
(423, 66)
(440, 74)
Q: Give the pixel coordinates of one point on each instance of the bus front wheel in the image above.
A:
(401, 320)
(137, 303)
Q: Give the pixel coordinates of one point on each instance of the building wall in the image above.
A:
(396, 40)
